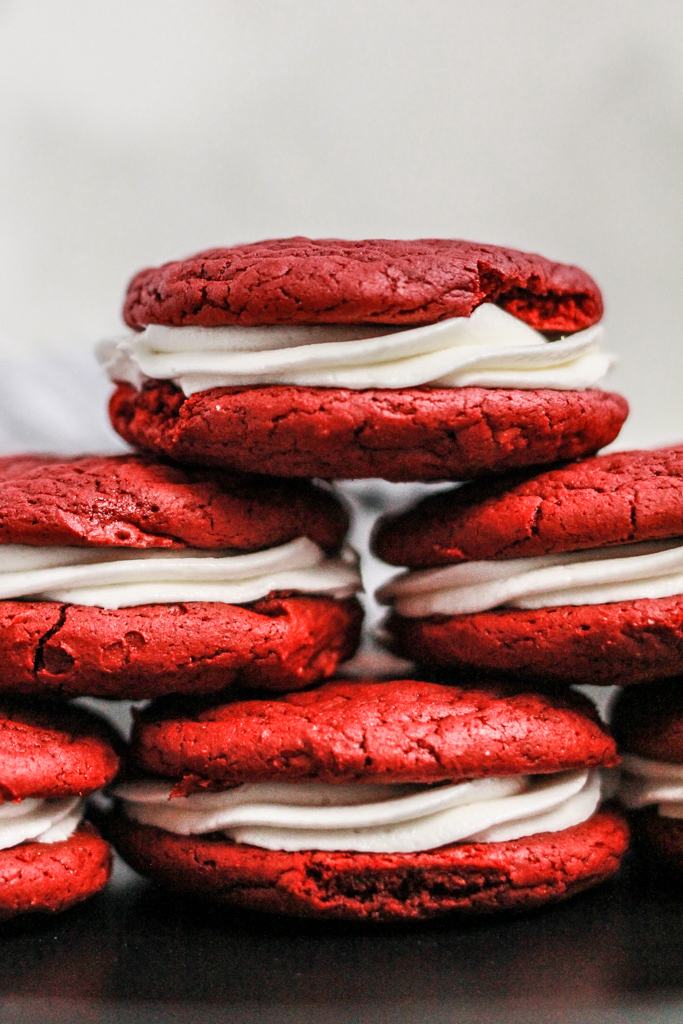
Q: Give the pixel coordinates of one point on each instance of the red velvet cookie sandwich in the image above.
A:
(409, 360)
(51, 756)
(648, 723)
(373, 801)
(573, 575)
(123, 577)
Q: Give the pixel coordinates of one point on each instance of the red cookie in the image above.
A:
(332, 281)
(50, 752)
(600, 644)
(134, 501)
(403, 435)
(282, 641)
(279, 643)
(648, 722)
(387, 732)
(53, 876)
(659, 841)
(464, 878)
(53, 750)
(400, 731)
(417, 433)
(606, 501)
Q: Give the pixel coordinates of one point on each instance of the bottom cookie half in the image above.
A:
(465, 878)
(600, 644)
(398, 434)
(659, 840)
(280, 643)
(53, 876)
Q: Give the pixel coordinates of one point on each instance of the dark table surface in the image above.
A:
(135, 953)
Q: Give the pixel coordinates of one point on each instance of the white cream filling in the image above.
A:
(490, 349)
(644, 783)
(652, 569)
(126, 577)
(370, 818)
(41, 821)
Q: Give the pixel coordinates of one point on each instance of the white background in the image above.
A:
(142, 130)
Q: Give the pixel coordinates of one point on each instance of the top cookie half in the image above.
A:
(332, 281)
(410, 360)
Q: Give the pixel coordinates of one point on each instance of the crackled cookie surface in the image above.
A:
(425, 360)
(51, 756)
(372, 801)
(409, 434)
(620, 498)
(466, 879)
(301, 280)
(573, 575)
(405, 730)
(136, 501)
(128, 578)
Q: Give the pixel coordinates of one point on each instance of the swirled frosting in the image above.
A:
(644, 783)
(125, 577)
(370, 818)
(489, 349)
(41, 821)
(649, 570)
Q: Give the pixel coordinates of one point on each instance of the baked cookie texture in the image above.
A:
(136, 501)
(399, 435)
(467, 878)
(50, 877)
(279, 643)
(53, 751)
(403, 434)
(51, 648)
(302, 280)
(612, 644)
(608, 500)
(649, 722)
(397, 731)
(402, 731)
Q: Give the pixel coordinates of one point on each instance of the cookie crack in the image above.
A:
(39, 658)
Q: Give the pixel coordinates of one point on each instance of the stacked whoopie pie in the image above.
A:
(422, 361)
(124, 578)
(648, 722)
(51, 758)
(406, 360)
(570, 575)
(127, 578)
(373, 800)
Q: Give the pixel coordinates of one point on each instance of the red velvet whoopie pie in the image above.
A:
(648, 724)
(281, 357)
(51, 756)
(123, 577)
(573, 575)
(313, 803)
